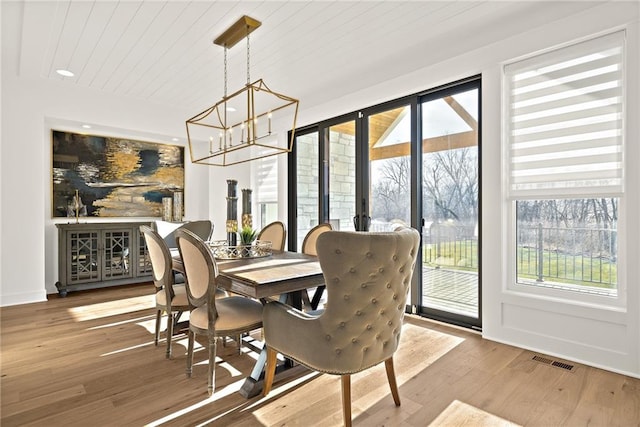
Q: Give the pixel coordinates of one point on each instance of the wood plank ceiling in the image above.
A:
(317, 51)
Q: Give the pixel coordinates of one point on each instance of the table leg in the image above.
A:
(252, 385)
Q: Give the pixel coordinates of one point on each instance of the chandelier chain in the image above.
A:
(225, 71)
(248, 55)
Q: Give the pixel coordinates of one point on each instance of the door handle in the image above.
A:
(366, 222)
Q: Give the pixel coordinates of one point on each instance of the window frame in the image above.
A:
(511, 285)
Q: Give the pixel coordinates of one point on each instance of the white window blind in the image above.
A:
(565, 126)
(267, 179)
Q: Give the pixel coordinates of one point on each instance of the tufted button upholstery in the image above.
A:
(368, 277)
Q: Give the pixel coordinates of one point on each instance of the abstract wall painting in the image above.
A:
(113, 177)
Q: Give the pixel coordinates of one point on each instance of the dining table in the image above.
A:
(282, 273)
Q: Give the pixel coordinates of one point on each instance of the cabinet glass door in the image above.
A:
(83, 265)
(117, 250)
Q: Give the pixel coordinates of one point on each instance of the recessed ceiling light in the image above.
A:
(231, 109)
(86, 126)
(175, 139)
(65, 73)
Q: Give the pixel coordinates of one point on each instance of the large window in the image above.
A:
(565, 158)
(267, 192)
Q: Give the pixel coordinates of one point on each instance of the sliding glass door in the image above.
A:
(450, 204)
(389, 155)
(413, 161)
(322, 170)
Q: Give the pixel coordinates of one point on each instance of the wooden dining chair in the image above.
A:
(231, 316)
(202, 228)
(276, 233)
(309, 248)
(368, 276)
(170, 298)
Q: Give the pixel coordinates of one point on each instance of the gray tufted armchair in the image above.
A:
(368, 276)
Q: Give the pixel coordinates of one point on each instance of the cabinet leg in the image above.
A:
(62, 290)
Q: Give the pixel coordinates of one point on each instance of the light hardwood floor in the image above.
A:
(89, 360)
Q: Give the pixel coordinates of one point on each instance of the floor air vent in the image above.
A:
(547, 361)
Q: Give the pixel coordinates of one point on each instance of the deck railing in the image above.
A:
(573, 255)
(579, 256)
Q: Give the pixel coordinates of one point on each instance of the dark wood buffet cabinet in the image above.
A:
(95, 255)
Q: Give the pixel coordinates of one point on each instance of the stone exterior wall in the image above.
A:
(307, 149)
(342, 181)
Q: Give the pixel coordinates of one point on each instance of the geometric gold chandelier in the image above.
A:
(239, 127)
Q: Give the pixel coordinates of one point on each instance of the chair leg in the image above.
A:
(317, 296)
(346, 399)
(269, 371)
(212, 364)
(191, 335)
(391, 376)
(169, 333)
(158, 320)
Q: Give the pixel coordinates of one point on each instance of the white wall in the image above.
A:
(31, 107)
(598, 335)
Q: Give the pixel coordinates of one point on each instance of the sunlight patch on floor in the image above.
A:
(284, 388)
(122, 350)
(111, 308)
(144, 321)
(219, 394)
(407, 366)
(462, 414)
